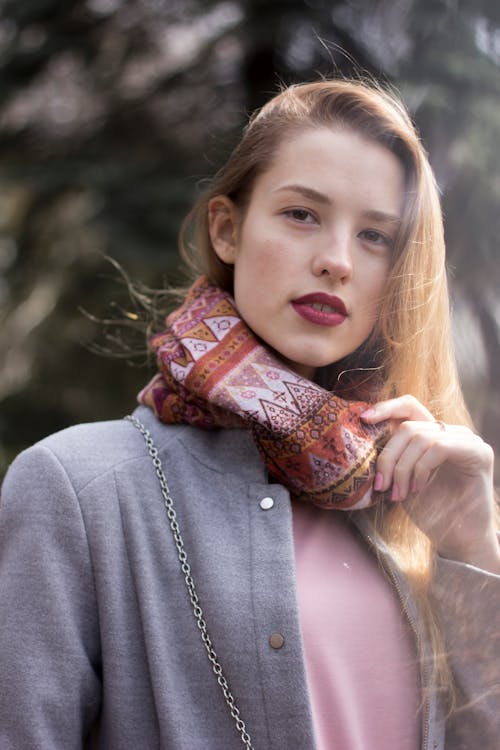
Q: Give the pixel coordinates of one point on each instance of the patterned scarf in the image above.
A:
(214, 372)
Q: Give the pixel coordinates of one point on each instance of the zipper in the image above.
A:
(423, 668)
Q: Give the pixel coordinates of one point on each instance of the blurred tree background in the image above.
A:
(114, 112)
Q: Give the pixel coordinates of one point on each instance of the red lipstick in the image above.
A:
(320, 308)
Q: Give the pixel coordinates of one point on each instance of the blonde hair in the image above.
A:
(413, 334)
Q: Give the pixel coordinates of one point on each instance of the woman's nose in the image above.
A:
(333, 258)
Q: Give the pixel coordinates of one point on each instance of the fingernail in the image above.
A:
(379, 481)
(395, 492)
(370, 412)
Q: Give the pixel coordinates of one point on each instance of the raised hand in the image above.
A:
(444, 475)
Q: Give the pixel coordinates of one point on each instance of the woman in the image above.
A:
(281, 399)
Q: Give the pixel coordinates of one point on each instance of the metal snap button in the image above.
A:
(266, 503)
(276, 640)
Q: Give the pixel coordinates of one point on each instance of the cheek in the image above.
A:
(375, 282)
(264, 258)
(379, 287)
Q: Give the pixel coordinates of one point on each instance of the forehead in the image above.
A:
(339, 163)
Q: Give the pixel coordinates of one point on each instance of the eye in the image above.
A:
(375, 237)
(301, 215)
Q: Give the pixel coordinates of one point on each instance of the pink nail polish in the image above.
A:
(379, 481)
(395, 492)
(370, 412)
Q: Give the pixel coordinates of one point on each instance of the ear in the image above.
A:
(223, 226)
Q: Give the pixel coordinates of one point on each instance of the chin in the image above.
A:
(307, 368)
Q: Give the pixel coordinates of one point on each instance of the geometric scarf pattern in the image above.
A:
(214, 372)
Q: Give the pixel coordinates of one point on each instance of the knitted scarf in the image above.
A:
(214, 372)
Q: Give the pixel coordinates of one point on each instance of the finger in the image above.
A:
(464, 449)
(401, 408)
(409, 440)
(404, 480)
(425, 469)
(418, 433)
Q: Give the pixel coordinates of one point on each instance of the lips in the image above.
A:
(321, 308)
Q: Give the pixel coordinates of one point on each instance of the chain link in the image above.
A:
(190, 585)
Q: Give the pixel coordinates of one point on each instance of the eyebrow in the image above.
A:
(315, 195)
(307, 192)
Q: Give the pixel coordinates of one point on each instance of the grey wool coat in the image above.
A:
(98, 644)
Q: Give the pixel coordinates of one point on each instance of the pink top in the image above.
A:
(360, 654)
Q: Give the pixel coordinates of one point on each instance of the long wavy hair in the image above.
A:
(410, 348)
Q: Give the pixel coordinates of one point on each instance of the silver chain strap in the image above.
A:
(190, 585)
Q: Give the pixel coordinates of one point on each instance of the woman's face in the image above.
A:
(312, 251)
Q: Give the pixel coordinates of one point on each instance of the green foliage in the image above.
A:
(113, 112)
